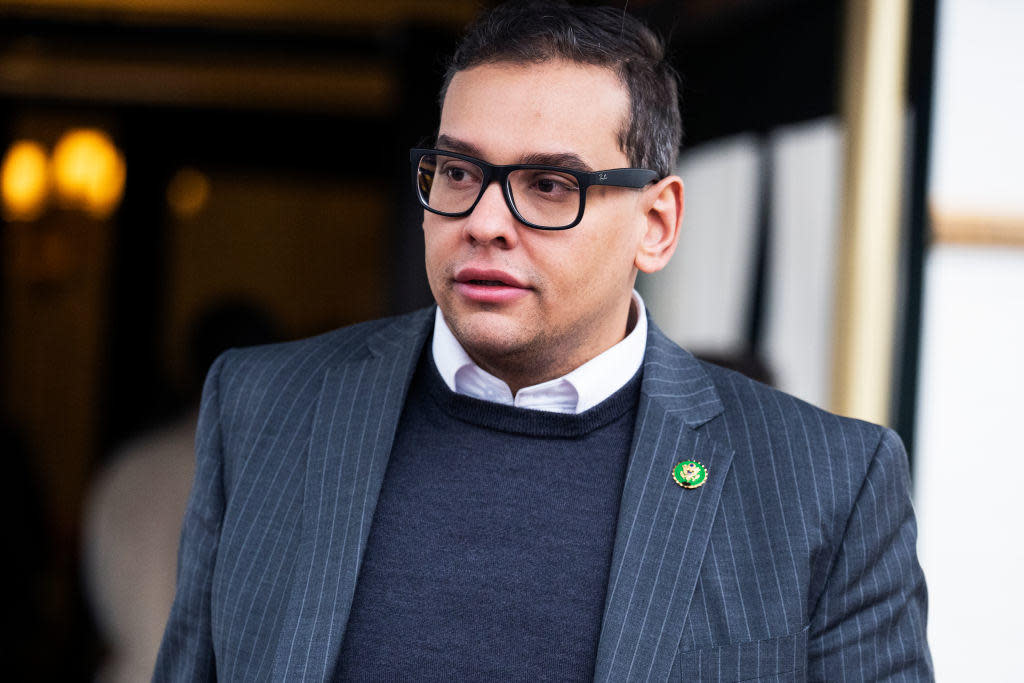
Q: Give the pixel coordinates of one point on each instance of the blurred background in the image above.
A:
(181, 176)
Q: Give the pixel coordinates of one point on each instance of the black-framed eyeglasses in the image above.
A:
(542, 197)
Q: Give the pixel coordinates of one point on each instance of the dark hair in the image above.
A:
(534, 32)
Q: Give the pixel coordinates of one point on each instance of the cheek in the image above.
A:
(434, 247)
(580, 269)
(436, 267)
(606, 256)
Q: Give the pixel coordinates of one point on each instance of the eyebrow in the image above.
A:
(569, 160)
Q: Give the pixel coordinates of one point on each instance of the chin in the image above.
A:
(489, 334)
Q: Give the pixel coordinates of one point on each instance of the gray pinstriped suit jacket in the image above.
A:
(795, 561)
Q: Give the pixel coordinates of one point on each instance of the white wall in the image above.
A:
(978, 140)
(969, 456)
(970, 461)
(802, 257)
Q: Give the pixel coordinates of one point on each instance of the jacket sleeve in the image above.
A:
(869, 623)
(186, 652)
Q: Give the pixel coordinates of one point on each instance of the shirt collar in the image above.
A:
(575, 392)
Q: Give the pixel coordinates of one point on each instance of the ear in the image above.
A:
(664, 213)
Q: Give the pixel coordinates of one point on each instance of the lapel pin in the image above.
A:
(690, 474)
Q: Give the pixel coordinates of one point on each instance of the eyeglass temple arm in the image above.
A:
(624, 177)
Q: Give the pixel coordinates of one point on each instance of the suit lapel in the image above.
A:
(357, 415)
(663, 529)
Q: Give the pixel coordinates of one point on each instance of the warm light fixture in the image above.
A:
(24, 181)
(88, 172)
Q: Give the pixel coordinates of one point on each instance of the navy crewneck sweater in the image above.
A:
(490, 546)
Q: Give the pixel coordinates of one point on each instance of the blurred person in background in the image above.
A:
(136, 503)
(529, 480)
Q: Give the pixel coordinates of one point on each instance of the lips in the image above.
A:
(489, 277)
(489, 285)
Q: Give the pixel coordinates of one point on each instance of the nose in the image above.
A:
(491, 220)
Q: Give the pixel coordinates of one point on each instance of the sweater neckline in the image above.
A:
(526, 421)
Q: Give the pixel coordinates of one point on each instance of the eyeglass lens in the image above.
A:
(544, 198)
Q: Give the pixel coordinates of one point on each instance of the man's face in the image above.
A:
(527, 304)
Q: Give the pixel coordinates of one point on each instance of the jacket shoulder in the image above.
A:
(352, 342)
(773, 412)
(253, 380)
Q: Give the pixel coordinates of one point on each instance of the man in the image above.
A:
(530, 481)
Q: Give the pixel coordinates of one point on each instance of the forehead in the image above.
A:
(510, 111)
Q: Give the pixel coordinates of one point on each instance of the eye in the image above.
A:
(460, 173)
(554, 186)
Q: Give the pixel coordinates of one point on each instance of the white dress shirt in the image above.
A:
(575, 392)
